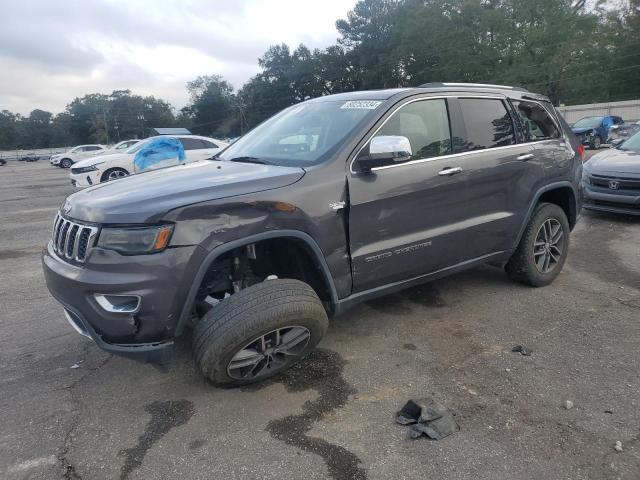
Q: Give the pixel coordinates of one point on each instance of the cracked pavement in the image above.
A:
(332, 417)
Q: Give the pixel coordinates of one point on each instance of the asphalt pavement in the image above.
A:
(69, 410)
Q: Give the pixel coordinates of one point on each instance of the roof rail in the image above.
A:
(473, 85)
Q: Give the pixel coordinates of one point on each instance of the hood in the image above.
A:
(578, 131)
(614, 161)
(87, 162)
(148, 196)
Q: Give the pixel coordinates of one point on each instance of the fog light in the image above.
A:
(118, 303)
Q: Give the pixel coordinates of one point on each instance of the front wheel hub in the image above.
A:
(272, 351)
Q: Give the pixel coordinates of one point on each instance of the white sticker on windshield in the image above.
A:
(361, 104)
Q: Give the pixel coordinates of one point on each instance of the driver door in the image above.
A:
(405, 219)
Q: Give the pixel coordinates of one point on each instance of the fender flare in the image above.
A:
(536, 198)
(241, 242)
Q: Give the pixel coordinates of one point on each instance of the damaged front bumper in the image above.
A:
(160, 282)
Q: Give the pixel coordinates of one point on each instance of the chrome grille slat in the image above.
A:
(72, 240)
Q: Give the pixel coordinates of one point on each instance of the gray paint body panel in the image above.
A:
(432, 225)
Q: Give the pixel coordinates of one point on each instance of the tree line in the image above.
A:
(573, 51)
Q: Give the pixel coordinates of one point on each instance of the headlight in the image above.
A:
(135, 240)
(90, 168)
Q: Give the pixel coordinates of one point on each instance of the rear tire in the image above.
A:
(66, 163)
(246, 327)
(596, 143)
(543, 248)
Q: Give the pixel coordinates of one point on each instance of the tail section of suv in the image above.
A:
(329, 203)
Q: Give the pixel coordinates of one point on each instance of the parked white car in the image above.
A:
(112, 166)
(122, 146)
(68, 158)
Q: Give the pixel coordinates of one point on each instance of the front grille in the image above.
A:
(72, 240)
(622, 183)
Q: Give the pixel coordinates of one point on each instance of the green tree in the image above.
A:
(213, 105)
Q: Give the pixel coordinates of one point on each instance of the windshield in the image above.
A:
(632, 144)
(588, 122)
(301, 135)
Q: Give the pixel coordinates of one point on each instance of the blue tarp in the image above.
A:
(159, 150)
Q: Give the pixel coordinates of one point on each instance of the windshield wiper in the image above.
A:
(249, 160)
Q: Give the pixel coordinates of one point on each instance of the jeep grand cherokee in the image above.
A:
(329, 203)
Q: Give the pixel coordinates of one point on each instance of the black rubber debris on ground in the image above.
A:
(427, 417)
(522, 350)
(164, 417)
(321, 370)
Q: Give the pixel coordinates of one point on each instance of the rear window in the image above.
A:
(535, 121)
(487, 123)
(192, 143)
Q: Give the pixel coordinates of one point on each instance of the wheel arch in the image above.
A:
(562, 194)
(304, 239)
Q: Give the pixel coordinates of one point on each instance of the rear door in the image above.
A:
(405, 219)
(499, 174)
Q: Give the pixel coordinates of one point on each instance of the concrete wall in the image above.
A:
(629, 110)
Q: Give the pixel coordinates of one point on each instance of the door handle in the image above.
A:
(450, 171)
(525, 156)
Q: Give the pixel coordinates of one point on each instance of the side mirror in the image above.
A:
(385, 150)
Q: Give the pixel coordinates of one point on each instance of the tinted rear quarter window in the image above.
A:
(487, 123)
(193, 144)
(535, 121)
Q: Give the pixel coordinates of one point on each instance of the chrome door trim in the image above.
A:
(454, 155)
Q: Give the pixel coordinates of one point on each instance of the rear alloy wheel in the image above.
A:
(258, 332)
(113, 174)
(548, 245)
(596, 143)
(543, 248)
(66, 163)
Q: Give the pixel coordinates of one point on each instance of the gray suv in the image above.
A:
(331, 202)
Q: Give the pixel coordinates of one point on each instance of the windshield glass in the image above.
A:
(588, 122)
(632, 144)
(301, 135)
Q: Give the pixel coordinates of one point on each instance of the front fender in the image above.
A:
(228, 246)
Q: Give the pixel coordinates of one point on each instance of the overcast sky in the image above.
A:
(53, 51)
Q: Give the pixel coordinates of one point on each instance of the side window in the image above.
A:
(191, 143)
(426, 124)
(92, 148)
(208, 144)
(535, 121)
(487, 123)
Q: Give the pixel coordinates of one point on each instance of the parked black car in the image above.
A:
(329, 203)
(29, 157)
(611, 179)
